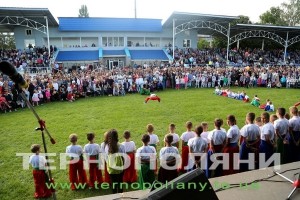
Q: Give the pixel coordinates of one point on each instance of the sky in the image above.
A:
(155, 9)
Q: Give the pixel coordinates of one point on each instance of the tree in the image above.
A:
(202, 44)
(83, 11)
(7, 41)
(242, 20)
(219, 42)
(291, 12)
(273, 16)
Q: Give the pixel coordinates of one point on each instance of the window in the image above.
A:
(110, 42)
(28, 31)
(116, 41)
(113, 41)
(186, 43)
(104, 41)
(121, 41)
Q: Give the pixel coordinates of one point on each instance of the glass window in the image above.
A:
(104, 41)
(28, 32)
(121, 41)
(116, 41)
(110, 41)
(186, 43)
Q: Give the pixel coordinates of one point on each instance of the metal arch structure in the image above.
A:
(282, 35)
(293, 40)
(257, 33)
(266, 34)
(22, 21)
(195, 24)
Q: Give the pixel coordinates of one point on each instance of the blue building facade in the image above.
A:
(110, 41)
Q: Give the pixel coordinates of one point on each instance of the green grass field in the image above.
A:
(99, 114)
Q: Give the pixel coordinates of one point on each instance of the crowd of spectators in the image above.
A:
(70, 85)
(31, 57)
(237, 57)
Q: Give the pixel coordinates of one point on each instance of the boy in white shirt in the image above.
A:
(145, 156)
(129, 173)
(231, 146)
(197, 145)
(217, 139)
(40, 177)
(294, 130)
(76, 172)
(154, 141)
(185, 137)
(175, 141)
(281, 126)
(168, 155)
(267, 136)
(92, 152)
(204, 134)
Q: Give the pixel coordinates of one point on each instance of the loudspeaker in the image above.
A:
(191, 185)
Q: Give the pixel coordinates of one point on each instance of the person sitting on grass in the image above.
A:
(4, 105)
(70, 97)
(266, 105)
(246, 98)
(145, 90)
(270, 107)
(218, 91)
(255, 101)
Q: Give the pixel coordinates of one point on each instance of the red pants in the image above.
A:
(130, 173)
(41, 190)
(231, 150)
(95, 173)
(152, 98)
(77, 174)
(106, 175)
(184, 157)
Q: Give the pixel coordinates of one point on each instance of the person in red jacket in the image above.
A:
(153, 97)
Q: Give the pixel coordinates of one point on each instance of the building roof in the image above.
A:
(35, 14)
(279, 30)
(183, 17)
(148, 55)
(78, 55)
(109, 24)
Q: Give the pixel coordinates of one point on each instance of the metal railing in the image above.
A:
(36, 70)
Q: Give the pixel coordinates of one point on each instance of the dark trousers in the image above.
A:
(116, 180)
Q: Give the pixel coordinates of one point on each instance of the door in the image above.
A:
(114, 63)
(29, 42)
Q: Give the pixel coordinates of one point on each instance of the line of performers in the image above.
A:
(231, 94)
(269, 106)
(281, 136)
